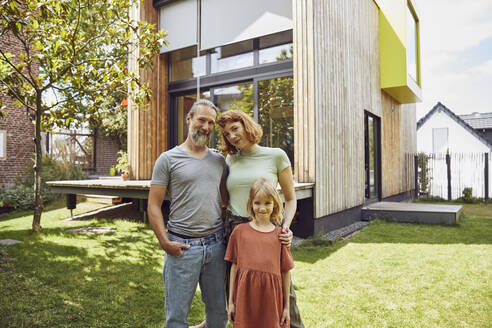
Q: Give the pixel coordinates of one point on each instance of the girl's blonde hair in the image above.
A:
(252, 130)
(266, 187)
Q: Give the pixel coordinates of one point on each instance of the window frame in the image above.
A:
(416, 22)
(253, 74)
(3, 145)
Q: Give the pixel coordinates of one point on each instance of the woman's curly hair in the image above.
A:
(253, 130)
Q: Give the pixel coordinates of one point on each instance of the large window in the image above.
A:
(254, 76)
(276, 113)
(412, 47)
(231, 57)
(185, 64)
(439, 140)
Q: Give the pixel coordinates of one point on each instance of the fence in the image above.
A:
(449, 174)
(72, 147)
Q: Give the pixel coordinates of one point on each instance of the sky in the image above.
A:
(456, 55)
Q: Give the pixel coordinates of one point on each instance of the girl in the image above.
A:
(259, 278)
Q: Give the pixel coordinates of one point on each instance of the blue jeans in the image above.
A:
(202, 263)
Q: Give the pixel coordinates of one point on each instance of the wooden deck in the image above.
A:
(413, 212)
(138, 189)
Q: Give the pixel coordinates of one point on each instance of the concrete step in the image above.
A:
(412, 212)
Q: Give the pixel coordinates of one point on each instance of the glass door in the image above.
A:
(372, 156)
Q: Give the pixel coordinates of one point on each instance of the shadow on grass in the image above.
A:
(117, 284)
(315, 249)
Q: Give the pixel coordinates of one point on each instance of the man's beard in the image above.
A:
(198, 137)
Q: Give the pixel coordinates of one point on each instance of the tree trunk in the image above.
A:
(38, 202)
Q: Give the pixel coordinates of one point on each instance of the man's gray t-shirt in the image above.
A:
(193, 187)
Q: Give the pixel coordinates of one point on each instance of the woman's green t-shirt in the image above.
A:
(245, 169)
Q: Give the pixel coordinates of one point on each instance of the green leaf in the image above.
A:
(39, 45)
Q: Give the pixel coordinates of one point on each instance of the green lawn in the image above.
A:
(389, 275)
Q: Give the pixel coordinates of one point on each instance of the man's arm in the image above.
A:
(156, 197)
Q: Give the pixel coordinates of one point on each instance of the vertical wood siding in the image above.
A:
(398, 146)
(147, 127)
(347, 82)
(304, 131)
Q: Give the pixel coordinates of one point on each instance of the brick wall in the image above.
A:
(106, 154)
(19, 130)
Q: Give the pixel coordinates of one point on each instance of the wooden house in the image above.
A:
(334, 83)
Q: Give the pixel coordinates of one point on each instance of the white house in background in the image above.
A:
(441, 130)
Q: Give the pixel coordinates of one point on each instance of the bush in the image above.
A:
(468, 197)
(423, 173)
(433, 199)
(22, 195)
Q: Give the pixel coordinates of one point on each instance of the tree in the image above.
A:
(81, 48)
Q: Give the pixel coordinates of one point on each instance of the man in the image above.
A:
(191, 174)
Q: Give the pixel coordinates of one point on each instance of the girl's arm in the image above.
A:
(286, 182)
(285, 320)
(231, 309)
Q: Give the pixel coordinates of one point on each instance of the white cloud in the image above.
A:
(484, 69)
(450, 28)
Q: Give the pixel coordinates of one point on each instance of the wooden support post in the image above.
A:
(448, 164)
(486, 175)
(416, 169)
(71, 203)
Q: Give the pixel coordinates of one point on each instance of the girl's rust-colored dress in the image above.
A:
(260, 260)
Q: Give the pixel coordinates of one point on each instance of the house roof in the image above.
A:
(441, 108)
(478, 120)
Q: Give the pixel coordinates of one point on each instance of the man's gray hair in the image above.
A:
(202, 102)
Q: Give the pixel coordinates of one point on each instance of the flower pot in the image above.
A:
(124, 176)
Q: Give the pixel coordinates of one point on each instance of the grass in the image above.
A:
(389, 275)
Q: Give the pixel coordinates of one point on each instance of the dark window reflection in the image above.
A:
(277, 53)
(230, 57)
(276, 113)
(185, 64)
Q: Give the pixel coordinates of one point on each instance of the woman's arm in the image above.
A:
(231, 309)
(285, 320)
(286, 182)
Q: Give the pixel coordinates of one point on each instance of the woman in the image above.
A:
(247, 161)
